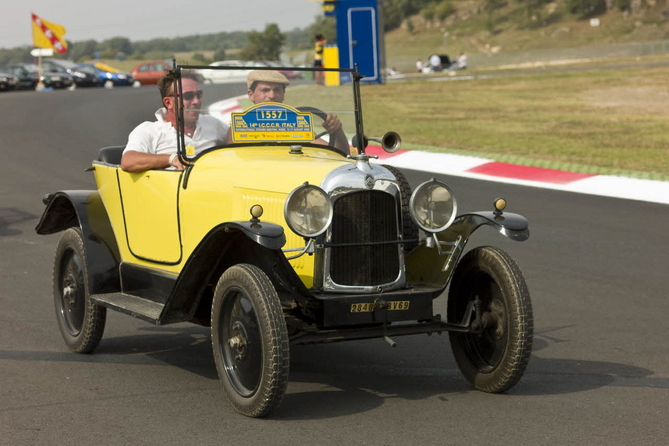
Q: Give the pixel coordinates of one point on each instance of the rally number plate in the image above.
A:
(369, 306)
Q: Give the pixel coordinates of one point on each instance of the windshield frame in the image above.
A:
(186, 160)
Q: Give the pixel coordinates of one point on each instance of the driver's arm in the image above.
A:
(133, 161)
(139, 154)
(332, 125)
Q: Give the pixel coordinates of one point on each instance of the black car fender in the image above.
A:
(228, 244)
(269, 235)
(514, 226)
(84, 209)
(432, 266)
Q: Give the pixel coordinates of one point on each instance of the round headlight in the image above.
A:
(433, 206)
(308, 211)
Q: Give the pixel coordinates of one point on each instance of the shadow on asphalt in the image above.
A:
(347, 378)
(11, 216)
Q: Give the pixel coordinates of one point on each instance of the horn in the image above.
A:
(391, 141)
(354, 142)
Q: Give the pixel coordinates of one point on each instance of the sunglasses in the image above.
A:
(189, 95)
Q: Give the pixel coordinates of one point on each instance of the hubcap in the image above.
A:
(499, 317)
(70, 294)
(238, 342)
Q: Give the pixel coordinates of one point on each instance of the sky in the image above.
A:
(148, 19)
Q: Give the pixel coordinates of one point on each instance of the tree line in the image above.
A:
(269, 43)
(254, 45)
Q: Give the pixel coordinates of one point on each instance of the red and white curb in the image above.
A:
(222, 109)
(489, 170)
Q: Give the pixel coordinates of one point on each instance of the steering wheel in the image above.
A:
(321, 114)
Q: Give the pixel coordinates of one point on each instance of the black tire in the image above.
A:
(495, 360)
(409, 228)
(81, 322)
(250, 340)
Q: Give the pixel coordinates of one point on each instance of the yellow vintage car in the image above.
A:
(281, 236)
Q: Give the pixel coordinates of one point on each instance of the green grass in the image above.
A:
(595, 121)
(515, 33)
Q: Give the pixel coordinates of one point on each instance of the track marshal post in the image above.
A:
(359, 25)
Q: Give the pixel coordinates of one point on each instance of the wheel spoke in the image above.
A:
(242, 349)
(72, 298)
(487, 349)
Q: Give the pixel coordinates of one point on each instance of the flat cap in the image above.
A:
(266, 76)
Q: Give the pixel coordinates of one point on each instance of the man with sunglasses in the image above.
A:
(153, 145)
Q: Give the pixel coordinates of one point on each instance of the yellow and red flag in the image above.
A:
(48, 35)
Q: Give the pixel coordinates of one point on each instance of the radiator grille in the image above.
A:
(362, 217)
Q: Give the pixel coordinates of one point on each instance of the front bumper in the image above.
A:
(413, 304)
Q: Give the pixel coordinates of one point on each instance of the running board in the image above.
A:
(138, 307)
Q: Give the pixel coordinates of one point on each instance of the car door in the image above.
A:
(150, 210)
(142, 72)
(157, 71)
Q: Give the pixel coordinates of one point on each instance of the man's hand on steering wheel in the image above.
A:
(333, 127)
(331, 124)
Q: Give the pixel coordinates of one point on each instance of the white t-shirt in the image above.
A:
(160, 137)
(462, 61)
(435, 60)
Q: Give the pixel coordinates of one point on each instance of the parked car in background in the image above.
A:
(8, 81)
(215, 76)
(148, 73)
(26, 79)
(82, 77)
(290, 74)
(28, 75)
(110, 76)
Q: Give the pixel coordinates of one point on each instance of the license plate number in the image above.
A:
(398, 305)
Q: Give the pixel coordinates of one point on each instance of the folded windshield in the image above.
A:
(262, 104)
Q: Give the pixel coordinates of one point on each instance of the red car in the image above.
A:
(148, 73)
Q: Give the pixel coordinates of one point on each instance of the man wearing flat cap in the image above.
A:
(270, 86)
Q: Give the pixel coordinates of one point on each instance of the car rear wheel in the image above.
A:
(495, 359)
(81, 322)
(250, 340)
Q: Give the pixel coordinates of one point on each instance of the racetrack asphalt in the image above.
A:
(595, 266)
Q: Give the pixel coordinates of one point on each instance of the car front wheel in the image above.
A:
(494, 357)
(81, 322)
(250, 340)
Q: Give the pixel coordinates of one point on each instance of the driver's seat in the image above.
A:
(111, 155)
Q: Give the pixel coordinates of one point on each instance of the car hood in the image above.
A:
(272, 169)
